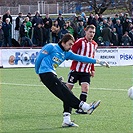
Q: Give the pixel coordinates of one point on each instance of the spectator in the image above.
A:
(7, 32)
(126, 15)
(95, 20)
(81, 32)
(19, 21)
(47, 24)
(30, 17)
(38, 34)
(29, 27)
(25, 41)
(131, 35)
(115, 19)
(69, 27)
(114, 40)
(106, 35)
(119, 30)
(83, 17)
(100, 41)
(63, 31)
(126, 40)
(110, 23)
(44, 34)
(7, 15)
(130, 25)
(74, 24)
(105, 22)
(109, 19)
(37, 19)
(125, 25)
(90, 18)
(60, 20)
(100, 18)
(55, 30)
(1, 36)
(99, 29)
(121, 17)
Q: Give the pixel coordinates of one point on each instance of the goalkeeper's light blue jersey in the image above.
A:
(52, 55)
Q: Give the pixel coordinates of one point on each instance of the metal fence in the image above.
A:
(13, 10)
(41, 7)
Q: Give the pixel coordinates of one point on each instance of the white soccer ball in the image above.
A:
(25, 58)
(130, 92)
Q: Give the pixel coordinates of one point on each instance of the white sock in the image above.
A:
(66, 117)
(85, 106)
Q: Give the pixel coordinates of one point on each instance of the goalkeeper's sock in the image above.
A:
(66, 117)
(85, 106)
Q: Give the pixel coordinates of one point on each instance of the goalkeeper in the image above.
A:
(48, 59)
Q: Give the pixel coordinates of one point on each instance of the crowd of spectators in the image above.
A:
(37, 31)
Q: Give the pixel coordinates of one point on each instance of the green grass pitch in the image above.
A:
(26, 106)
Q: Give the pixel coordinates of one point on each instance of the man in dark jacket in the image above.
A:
(119, 30)
(19, 21)
(7, 32)
(106, 35)
(39, 35)
(61, 21)
(47, 24)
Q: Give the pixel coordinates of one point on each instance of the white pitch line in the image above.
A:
(33, 85)
(107, 89)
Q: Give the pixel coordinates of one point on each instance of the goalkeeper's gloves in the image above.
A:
(103, 63)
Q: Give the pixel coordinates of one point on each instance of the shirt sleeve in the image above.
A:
(46, 50)
(76, 57)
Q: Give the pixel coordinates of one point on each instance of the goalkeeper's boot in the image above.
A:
(93, 106)
(80, 111)
(70, 124)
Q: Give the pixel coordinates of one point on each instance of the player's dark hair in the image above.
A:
(90, 27)
(66, 38)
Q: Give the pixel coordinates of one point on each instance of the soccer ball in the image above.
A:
(25, 58)
(130, 92)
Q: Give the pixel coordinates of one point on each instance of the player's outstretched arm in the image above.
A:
(76, 57)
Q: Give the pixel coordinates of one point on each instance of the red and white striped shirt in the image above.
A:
(83, 47)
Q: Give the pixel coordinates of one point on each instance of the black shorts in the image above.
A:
(74, 76)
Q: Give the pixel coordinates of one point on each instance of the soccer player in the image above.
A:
(80, 71)
(48, 59)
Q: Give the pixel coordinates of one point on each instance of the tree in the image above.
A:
(129, 6)
(99, 7)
